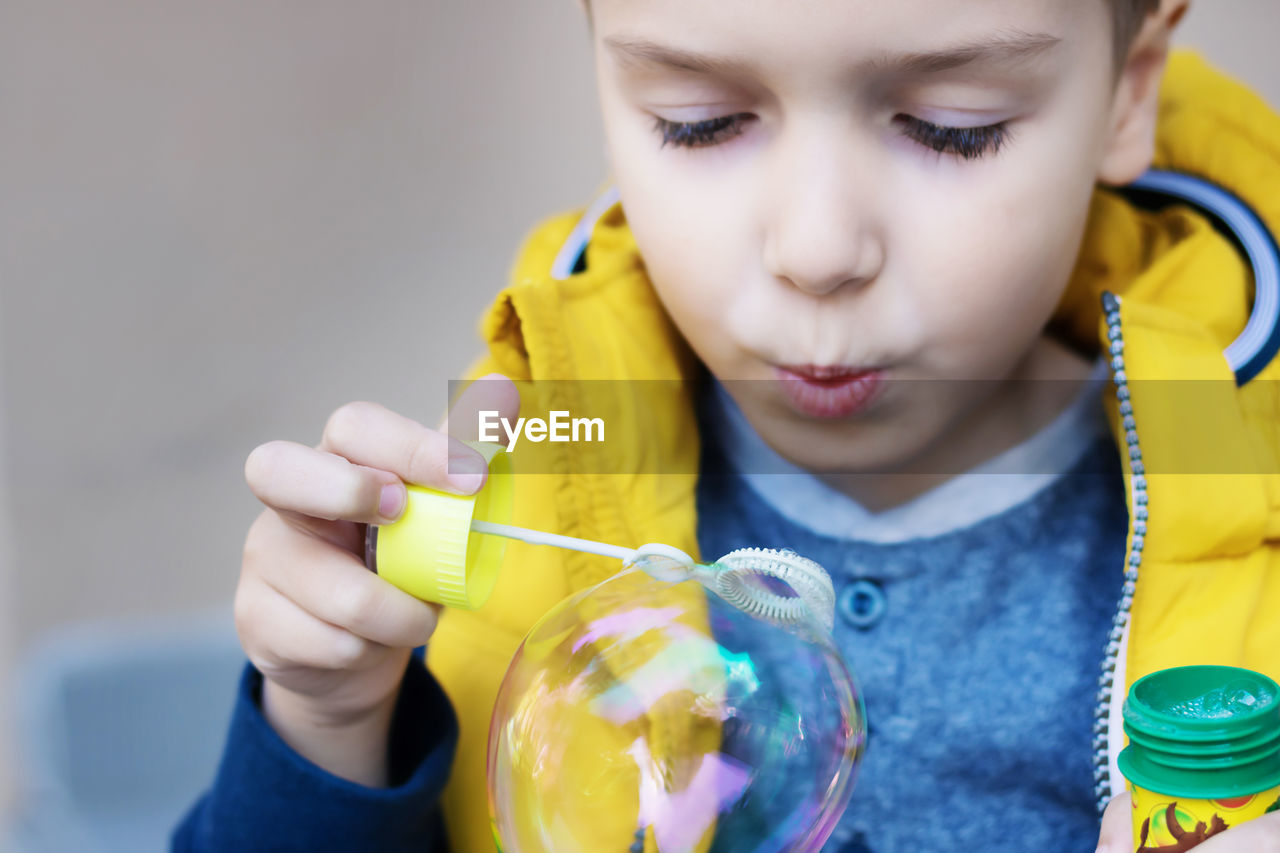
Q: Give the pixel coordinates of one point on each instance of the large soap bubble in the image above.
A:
(677, 708)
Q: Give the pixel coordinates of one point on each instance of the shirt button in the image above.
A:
(862, 604)
(857, 844)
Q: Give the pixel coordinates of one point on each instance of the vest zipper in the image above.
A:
(1138, 493)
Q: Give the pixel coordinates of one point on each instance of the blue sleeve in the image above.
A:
(267, 797)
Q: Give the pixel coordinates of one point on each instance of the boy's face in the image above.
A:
(800, 221)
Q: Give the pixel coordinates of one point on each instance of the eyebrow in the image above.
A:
(1005, 47)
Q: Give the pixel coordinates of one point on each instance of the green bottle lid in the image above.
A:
(1207, 732)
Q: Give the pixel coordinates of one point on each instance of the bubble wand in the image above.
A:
(430, 553)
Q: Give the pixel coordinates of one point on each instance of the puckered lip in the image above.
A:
(825, 372)
(830, 391)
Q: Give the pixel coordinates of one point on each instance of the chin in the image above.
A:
(842, 447)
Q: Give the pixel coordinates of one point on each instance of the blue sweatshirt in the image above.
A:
(267, 797)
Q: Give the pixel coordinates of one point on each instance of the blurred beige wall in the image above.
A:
(8, 613)
(1240, 37)
(220, 220)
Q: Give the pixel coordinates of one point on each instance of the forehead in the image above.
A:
(851, 32)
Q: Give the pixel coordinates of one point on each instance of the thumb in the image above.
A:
(1117, 826)
(490, 393)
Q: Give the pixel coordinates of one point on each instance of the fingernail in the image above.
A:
(466, 473)
(391, 501)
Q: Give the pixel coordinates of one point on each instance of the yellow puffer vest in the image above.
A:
(1208, 568)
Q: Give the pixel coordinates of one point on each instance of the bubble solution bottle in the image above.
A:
(1203, 753)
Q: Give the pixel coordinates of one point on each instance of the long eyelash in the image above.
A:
(970, 143)
(698, 134)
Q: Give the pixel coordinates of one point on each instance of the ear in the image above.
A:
(1132, 136)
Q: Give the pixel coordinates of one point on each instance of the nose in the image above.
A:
(822, 231)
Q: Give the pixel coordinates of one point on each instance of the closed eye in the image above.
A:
(700, 134)
(968, 143)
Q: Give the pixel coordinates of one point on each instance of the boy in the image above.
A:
(831, 199)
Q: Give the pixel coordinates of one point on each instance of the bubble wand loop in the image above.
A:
(735, 576)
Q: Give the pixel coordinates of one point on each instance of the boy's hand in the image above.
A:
(1255, 836)
(331, 638)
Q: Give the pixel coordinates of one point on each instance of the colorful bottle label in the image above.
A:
(1165, 824)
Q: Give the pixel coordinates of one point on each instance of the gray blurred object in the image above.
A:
(120, 727)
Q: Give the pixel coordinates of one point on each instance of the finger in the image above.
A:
(347, 535)
(490, 393)
(374, 436)
(1117, 826)
(1261, 835)
(334, 586)
(294, 478)
(279, 636)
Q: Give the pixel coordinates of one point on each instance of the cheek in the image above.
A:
(692, 284)
(988, 276)
(692, 244)
(990, 269)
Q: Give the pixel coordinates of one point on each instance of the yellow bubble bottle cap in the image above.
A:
(430, 552)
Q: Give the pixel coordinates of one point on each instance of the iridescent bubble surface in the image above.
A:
(653, 715)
